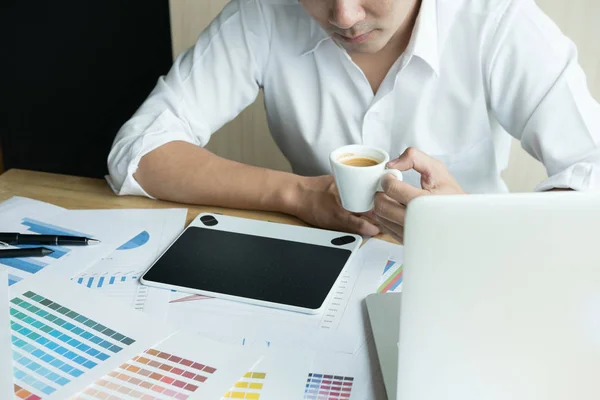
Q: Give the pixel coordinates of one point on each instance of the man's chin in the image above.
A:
(362, 48)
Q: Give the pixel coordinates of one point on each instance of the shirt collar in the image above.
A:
(317, 36)
(423, 43)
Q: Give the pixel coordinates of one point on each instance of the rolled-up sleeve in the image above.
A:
(538, 92)
(207, 86)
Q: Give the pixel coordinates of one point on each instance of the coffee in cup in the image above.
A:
(359, 162)
(358, 171)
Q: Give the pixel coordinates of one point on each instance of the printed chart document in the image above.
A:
(6, 381)
(391, 279)
(33, 217)
(230, 320)
(183, 366)
(377, 259)
(117, 275)
(335, 375)
(153, 230)
(17, 205)
(64, 337)
(332, 375)
(281, 374)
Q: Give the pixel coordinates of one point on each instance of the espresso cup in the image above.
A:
(358, 170)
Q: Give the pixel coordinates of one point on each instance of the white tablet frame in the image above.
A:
(268, 229)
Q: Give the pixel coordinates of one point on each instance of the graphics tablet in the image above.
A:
(258, 262)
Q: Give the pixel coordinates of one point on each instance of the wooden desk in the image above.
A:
(85, 193)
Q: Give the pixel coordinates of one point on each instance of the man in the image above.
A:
(438, 82)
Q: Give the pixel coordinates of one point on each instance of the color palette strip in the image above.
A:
(249, 387)
(152, 375)
(393, 274)
(53, 345)
(326, 387)
(24, 394)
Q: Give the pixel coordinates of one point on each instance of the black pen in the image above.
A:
(30, 252)
(14, 238)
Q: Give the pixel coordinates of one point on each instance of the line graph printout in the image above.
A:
(63, 336)
(229, 318)
(183, 366)
(33, 217)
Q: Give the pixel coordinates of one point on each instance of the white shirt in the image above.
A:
(474, 71)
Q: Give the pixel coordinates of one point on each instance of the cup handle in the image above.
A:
(396, 173)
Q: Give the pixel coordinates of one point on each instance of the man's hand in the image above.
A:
(390, 206)
(318, 203)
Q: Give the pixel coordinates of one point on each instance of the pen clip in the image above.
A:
(3, 244)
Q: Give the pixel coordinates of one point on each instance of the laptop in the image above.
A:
(500, 300)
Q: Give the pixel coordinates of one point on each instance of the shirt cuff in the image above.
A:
(146, 144)
(582, 177)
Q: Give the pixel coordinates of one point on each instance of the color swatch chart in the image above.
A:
(22, 267)
(326, 387)
(152, 375)
(249, 387)
(391, 278)
(54, 345)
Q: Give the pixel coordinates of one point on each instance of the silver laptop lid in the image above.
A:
(501, 298)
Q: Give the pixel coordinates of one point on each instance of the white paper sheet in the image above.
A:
(126, 288)
(6, 381)
(18, 205)
(232, 321)
(153, 231)
(183, 366)
(117, 275)
(332, 375)
(33, 217)
(65, 336)
(335, 375)
(281, 374)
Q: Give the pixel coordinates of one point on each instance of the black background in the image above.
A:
(72, 73)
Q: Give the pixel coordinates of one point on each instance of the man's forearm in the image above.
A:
(183, 172)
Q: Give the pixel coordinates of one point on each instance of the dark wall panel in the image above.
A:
(74, 72)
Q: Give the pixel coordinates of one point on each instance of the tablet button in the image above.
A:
(209, 220)
(342, 240)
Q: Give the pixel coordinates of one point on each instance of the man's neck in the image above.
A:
(399, 42)
(376, 66)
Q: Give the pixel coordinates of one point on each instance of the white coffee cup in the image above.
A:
(357, 185)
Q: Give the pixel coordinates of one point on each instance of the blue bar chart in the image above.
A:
(123, 286)
(103, 281)
(20, 268)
